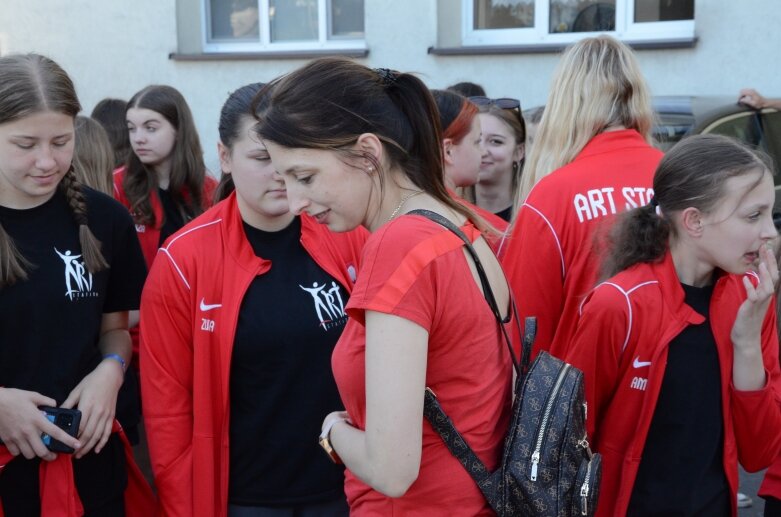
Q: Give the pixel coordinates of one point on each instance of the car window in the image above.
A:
(761, 130)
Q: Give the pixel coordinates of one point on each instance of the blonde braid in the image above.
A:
(90, 245)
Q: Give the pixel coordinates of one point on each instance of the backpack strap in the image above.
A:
(486, 285)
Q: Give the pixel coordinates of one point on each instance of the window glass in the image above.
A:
(233, 20)
(346, 19)
(582, 16)
(743, 126)
(771, 141)
(293, 20)
(503, 14)
(663, 10)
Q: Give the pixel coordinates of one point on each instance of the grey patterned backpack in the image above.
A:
(547, 467)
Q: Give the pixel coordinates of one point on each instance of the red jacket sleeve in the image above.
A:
(533, 264)
(167, 384)
(597, 347)
(756, 415)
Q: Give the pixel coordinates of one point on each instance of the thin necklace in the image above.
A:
(401, 204)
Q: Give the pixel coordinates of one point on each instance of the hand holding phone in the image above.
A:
(66, 419)
(22, 424)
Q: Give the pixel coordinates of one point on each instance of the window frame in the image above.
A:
(626, 29)
(264, 44)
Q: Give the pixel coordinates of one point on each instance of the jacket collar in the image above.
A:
(612, 140)
(672, 292)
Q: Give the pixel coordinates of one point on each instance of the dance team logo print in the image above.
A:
(328, 304)
(78, 281)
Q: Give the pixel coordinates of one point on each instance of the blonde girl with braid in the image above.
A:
(70, 270)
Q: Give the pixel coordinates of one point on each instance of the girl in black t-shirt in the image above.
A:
(240, 314)
(70, 269)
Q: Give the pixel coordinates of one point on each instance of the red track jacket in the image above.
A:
(149, 236)
(189, 311)
(621, 345)
(549, 258)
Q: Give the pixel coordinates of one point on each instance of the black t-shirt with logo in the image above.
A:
(682, 470)
(281, 382)
(172, 217)
(50, 323)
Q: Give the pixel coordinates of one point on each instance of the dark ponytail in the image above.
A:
(639, 235)
(330, 102)
(691, 175)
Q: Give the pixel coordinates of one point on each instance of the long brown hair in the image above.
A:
(691, 174)
(330, 102)
(32, 84)
(188, 171)
(93, 156)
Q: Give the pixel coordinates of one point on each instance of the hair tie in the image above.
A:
(655, 204)
(387, 76)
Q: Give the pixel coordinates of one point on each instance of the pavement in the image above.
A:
(749, 485)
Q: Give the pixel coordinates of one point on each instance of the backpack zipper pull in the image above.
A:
(584, 490)
(535, 462)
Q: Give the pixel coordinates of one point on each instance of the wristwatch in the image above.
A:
(325, 441)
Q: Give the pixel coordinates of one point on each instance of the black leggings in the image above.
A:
(100, 481)
(772, 507)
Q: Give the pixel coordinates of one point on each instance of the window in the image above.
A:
(519, 22)
(285, 25)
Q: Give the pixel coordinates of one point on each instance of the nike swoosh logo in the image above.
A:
(205, 307)
(640, 364)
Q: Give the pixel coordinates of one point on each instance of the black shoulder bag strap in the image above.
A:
(432, 410)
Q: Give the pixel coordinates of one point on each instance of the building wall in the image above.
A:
(114, 48)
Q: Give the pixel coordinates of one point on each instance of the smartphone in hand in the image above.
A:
(66, 419)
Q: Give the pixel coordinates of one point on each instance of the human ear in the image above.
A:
(225, 158)
(371, 148)
(520, 152)
(691, 222)
(447, 146)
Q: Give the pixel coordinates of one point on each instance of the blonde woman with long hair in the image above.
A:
(592, 158)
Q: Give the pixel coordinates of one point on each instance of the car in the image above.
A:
(679, 116)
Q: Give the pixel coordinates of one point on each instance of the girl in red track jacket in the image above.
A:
(164, 183)
(239, 317)
(678, 347)
(591, 160)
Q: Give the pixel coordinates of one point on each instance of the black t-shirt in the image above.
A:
(172, 217)
(505, 214)
(281, 383)
(50, 323)
(682, 470)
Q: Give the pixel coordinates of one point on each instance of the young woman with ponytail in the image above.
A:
(679, 345)
(362, 147)
(70, 271)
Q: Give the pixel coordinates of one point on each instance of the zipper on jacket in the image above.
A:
(544, 424)
(584, 490)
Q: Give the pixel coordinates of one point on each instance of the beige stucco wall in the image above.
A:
(114, 48)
